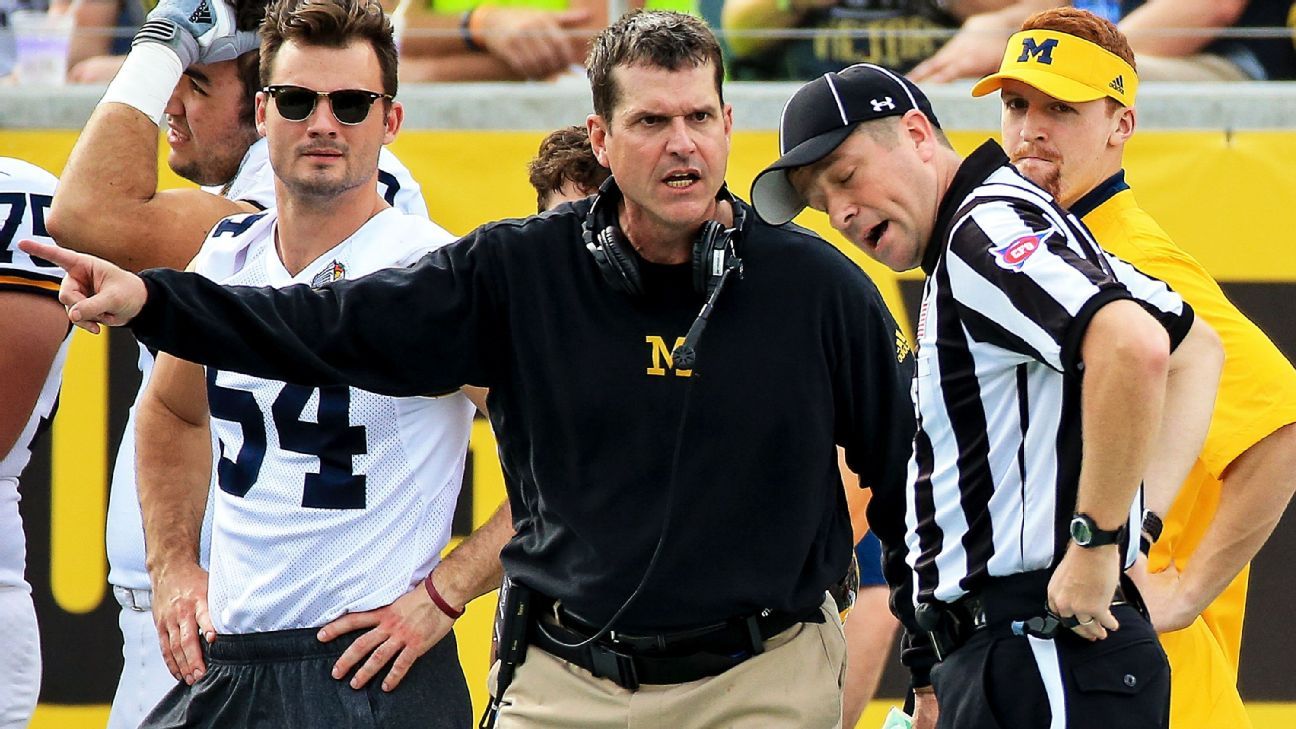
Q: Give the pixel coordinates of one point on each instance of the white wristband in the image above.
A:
(146, 80)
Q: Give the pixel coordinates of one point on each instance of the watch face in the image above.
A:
(1081, 532)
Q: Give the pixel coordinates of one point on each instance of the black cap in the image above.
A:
(818, 117)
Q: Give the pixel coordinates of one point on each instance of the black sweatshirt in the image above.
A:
(800, 354)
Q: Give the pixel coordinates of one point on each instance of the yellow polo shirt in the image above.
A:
(1257, 396)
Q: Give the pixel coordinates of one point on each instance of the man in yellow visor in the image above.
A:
(1068, 83)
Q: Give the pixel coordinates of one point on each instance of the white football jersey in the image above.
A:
(253, 183)
(25, 195)
(330, 500)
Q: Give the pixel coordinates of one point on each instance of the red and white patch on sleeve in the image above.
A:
(1014, 254)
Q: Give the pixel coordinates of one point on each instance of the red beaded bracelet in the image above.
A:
(439, 601)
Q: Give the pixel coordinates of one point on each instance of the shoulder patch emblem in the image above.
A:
(1013, 254)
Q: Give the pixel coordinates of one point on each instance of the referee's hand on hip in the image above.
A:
(1082, 587)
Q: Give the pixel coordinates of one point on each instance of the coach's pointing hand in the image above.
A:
(94, 290)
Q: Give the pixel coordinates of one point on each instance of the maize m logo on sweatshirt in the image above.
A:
(661, 359)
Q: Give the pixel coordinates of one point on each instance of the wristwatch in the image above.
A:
(1085, 532)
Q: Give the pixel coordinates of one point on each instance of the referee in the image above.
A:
(1044, 371)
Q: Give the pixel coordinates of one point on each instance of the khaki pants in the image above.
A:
(795, 683)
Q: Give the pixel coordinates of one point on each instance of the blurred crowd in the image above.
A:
(766, 40)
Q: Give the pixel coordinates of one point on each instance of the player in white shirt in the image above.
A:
(145, 677)
(333, 501)
(109, 204)
(33, 346)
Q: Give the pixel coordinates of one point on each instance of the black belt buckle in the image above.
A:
(616, 667)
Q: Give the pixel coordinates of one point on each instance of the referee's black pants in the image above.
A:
(1002, 681)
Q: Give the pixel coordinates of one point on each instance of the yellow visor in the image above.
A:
(1064, 67)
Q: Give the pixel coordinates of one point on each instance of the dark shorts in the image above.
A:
(997, 681)
(282, 679)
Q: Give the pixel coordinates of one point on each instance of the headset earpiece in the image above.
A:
(713, 249)
(711, 252)
(608, 246)
(621, 268)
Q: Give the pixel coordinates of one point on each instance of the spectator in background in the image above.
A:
(463, 40)
(8, 53)
(894, 33)
(1196, 54)
(501, 40)
(1209, 57)
(8, 46)
(96, 51)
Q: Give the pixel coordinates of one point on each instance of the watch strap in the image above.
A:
(1152, 525)
(1101, 537)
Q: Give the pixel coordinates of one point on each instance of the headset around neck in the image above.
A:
(713, 248)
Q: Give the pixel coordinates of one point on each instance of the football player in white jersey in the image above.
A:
(332, 500)
(108, 204)
(33, 345)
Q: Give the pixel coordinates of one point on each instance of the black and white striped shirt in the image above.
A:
(1013, 281)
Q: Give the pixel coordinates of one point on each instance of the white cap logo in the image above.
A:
(880, 104)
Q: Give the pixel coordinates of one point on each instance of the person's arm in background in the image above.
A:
(1146, 25)
(745, 16)
(878, 447)
(742, 17)
(978, 47)
(108, 203)
(870, 627)
(870, 635)
(1251, 449)
(173, 466)
(93, 23)
(1191, 383)
(507, 43)
(857, 497)
(1257, 488)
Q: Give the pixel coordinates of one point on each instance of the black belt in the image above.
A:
(630, 660)
(1011, 605)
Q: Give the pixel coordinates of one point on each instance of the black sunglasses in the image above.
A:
(350, 106)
